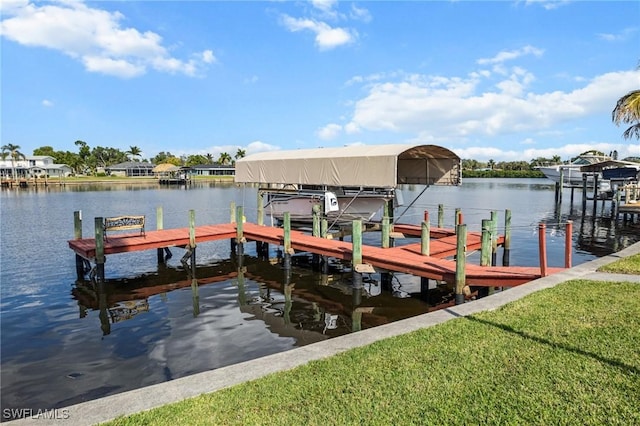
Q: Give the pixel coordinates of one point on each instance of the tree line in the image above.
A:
(88, 160)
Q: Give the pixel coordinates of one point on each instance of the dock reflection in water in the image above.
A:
(300, 304)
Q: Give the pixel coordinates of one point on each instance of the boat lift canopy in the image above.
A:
(357, 165)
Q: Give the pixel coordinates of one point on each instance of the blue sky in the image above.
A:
(502, 80)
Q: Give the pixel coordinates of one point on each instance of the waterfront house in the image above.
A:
(213, 170)
(131, 169)
(33, 166)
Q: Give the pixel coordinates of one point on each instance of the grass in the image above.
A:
(565, 356)
(628, 265)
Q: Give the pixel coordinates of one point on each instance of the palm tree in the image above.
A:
(209, 158)
(224, 158)
(13, 151)
(627, 110)
(240, 153)
(134, 151)
(491, 164)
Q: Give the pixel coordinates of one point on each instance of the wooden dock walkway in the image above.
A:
(405, 259)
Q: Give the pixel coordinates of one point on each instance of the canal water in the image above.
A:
(64, 341)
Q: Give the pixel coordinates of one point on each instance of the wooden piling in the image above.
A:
(77, 234)
(506, 246)
(494, 238)
(385, 232)
(356, 254)
(568, 243)
(315, 231)
(159, 227)
(542, 248)
(232, 219)
(461, 260)
(440, 216)
(425, 237)
(260, 202)
(77, 225)
(287, 240)
(485, 249)
(100, 258)
(192, 241)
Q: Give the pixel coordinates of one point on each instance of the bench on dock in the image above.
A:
(123, 223)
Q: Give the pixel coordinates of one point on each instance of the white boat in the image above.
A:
(571, 173)
(352, 182)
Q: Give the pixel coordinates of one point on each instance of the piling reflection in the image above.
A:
(299, 302)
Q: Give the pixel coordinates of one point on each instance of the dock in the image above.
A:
(438, 265)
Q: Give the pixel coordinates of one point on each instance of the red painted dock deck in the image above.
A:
(405, 259)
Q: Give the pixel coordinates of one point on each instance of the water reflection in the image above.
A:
(296, 303)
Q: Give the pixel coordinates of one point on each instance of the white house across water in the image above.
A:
(33, 166)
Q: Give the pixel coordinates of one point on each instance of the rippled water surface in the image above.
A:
(65, 340)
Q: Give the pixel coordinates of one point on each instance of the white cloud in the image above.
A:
(621, 36)
(509, 55)
(330, 131)
(360, 14)
(47, 103)
(325, 6)
(326, 37)
(441, 107)
(548, 4)
(95, 38)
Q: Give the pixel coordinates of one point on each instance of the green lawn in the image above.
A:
(628, 265)
(563, 356)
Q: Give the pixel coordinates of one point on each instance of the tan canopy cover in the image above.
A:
(357, 165)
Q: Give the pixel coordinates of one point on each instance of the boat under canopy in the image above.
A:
(356, 165)
(353, 182)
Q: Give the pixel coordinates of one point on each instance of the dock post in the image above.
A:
(77, 235)
(568, 243)
(584, 191)
(425, 237)
(159, 227)
(356, 255)
(485, 252)
(324, 229)
(507, 238)
(287, 240)
(315, 231)
(100, 259)
(232, 219)
(461, 260)
(456, 219)
(385, 232)
(192, 241)
(485, 247)
(494, 238)
(440, 216)
(240, 229)
(617, 198)
(542, 248)
(260, 202)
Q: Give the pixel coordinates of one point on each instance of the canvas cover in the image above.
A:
(357, 165)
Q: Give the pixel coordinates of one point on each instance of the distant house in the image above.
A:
(130, 169)
(213, 170)
(33, 166)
